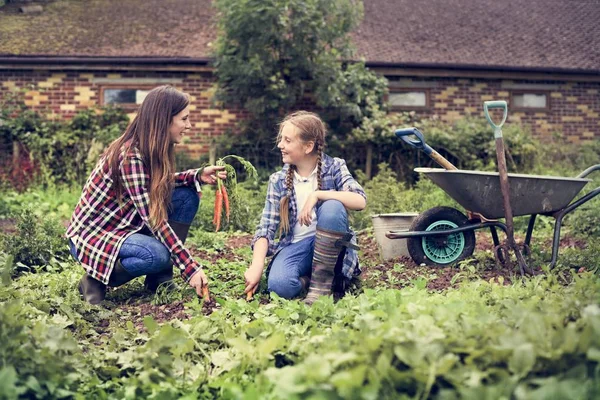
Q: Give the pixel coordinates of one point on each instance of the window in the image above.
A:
(530, 100)
(408, 99)
(126, 97)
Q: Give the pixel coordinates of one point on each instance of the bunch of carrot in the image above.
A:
(221, 198)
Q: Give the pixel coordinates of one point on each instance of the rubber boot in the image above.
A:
(119, 275)
(93, 291)
(327, 250)
(153, 281)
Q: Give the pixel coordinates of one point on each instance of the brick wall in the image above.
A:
(574, 107)
(63, 94)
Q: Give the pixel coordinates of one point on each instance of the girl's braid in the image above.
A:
(319, 165)
(284, 203)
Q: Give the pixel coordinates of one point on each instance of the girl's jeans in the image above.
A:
(295, 260)
(141, 253)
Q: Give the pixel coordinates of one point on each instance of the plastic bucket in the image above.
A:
(382, 223)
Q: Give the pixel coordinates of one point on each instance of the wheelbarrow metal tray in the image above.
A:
(480, 192)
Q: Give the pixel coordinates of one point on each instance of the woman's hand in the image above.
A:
(252, 277)
(198, 281)
(305, 217)
(210, 174)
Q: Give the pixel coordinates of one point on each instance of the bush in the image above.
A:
(55, 201)
(37, 243)
(59, 151)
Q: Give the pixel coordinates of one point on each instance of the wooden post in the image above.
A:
(15, 157)
(369, 162)
(212, 153)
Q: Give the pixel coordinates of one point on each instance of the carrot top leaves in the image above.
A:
(227, 199)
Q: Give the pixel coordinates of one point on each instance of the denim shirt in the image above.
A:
(334, 176)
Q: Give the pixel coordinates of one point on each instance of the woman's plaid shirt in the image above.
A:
(99, 225)
(334, 176)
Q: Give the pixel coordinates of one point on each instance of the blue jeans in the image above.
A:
(141, 253)
(295, 260)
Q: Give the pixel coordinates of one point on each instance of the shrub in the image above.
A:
(58, 151)
(37, 242)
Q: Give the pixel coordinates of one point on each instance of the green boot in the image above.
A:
(153, 281)
(327, 250)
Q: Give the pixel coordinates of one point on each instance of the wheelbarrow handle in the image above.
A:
(420, 144)
(589, 171)
(487, 105)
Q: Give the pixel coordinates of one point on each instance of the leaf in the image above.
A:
(150, 324)
(9, 383)
(522, 360)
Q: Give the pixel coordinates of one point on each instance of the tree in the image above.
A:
(271, 55)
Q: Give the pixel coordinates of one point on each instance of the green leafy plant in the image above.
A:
(37, 243)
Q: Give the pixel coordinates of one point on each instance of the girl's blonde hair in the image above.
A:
(149, 132)
(310, 128)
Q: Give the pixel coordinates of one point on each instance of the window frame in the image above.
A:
(427, 92)
(530, 91)
(124, 106)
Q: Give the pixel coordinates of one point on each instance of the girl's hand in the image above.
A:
(210, 174)
(305, 217)
(252, 277)
(198, 281)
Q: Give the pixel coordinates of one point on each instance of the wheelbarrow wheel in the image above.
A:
(443, 250)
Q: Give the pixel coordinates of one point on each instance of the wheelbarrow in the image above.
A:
(444, 236)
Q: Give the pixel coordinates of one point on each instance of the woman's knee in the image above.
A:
(332, 215)
(184, 204)
(160, 257)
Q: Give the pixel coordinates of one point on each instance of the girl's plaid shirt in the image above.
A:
(100, 225)
(334, 176)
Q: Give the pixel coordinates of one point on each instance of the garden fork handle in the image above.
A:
(504, 186)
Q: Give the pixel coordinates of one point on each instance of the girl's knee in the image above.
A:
(285, 288)
(333, 216)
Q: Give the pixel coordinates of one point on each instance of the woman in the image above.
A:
(307, 201)
(135, 212)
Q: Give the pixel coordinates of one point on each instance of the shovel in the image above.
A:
(406, 135)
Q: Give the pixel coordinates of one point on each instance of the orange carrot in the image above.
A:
(250, 294)
(226, 201)
(218, 208)
(205, 293)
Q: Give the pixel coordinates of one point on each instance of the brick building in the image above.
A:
(441, 57)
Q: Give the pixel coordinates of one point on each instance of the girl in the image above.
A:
(135, 212)
(307, 201)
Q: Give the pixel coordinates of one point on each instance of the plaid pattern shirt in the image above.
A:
(334, 176)
(99, 225)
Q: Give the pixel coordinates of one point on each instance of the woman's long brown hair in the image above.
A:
(310, 129)
(149, 133)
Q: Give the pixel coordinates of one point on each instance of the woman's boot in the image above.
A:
(327, 250)
(119, 275)
(153, 281)
(93, 291)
